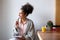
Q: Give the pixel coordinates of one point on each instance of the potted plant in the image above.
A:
(49, 25)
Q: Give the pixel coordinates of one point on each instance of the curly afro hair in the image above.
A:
(27, 8)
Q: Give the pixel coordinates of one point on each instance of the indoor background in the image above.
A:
(44, 10)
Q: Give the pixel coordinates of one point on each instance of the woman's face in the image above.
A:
(22, 14)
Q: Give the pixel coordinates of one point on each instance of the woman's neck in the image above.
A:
(23, 20)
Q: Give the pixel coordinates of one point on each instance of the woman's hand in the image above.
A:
(17, 24)
(22, 38)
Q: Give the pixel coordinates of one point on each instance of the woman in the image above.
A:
(25, 26)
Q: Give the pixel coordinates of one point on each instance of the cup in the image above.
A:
(43, 29)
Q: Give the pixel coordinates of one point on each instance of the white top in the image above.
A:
(22, 26)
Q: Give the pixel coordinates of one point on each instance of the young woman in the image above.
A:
(25, 26)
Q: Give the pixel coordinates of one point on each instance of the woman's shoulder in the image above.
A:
(29, 20)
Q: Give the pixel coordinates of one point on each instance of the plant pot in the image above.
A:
(48, 28)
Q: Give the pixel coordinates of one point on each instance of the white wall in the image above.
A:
(0, 20)
(44, 10)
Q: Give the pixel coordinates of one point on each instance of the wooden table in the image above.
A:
(48, 35)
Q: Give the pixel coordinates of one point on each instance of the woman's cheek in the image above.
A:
(21, 15)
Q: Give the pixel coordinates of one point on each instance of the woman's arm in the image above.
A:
(30, 33)
(16, 28)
